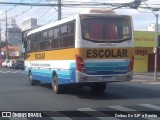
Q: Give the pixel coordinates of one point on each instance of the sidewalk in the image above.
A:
(146, 77)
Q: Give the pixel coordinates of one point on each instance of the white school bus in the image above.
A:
(91, 49)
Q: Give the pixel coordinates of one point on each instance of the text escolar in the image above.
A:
(106, 53)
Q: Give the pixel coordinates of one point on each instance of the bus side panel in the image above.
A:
(65, 76)
(33, 71)
(44, 75)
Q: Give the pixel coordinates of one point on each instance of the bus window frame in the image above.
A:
(39, 38)
(68, 35)
(108, 41)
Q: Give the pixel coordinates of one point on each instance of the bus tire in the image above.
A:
(98, 87)
(30, 78)
(55, 86)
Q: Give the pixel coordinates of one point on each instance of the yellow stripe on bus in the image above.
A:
(86, 53)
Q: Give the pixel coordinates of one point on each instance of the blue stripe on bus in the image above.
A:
(107, 68)
(107, 63)
(45, 75)
(68, 76)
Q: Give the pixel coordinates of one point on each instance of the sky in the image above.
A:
(141, 17)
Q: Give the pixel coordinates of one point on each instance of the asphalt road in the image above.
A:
(17, 95)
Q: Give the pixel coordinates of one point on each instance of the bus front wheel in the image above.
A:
(30, 78)
(55, 86)
(98, 87)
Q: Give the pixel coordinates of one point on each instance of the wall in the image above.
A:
(144, 44)
(144, 38)
(141, 59)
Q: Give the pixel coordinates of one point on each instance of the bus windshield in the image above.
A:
(115, 29)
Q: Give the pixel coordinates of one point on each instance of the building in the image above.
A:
(14, 34)
(144, 55)
(152, 27)
(27, 26)
(14, 52)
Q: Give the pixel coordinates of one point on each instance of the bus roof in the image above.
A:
(51, 25)
(99, 12)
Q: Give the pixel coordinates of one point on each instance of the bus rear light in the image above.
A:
(80, 65)
(130, 68)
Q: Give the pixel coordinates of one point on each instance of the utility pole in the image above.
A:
(6, 38)
(59, 9)
(156, 47)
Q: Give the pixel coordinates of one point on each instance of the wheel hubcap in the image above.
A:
(30, 77)
(54, 83)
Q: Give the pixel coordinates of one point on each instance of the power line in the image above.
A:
(45, 13)
(48, 16)
(51, 4)
(23, 12)
(53, 20)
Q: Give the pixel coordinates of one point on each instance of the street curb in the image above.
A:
(146, 81)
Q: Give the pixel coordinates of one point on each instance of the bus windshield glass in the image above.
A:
(115, 29)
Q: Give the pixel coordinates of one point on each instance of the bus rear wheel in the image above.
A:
(98, 87)
(55, 86)
(30, 78)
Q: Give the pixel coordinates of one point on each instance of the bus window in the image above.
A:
(96, 30)
(71, 28)
(67, 35)
(111, 32)
(45, 35)
(33, 38)
(43, 45)
(54, 41)
(63, 30)
(38, 46)
(50, 33)
(56, 33)
(28, 44)
(106, 29)
(40, 36)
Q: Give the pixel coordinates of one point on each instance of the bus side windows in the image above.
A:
(67, 35)
(55, 38)
(55, 43)
(43, 45)
(50, 33)
(45, 35)
(56, 33)
(71, 28)
(28, 45)
(64, 30)
(61, 36)
(37, 46)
